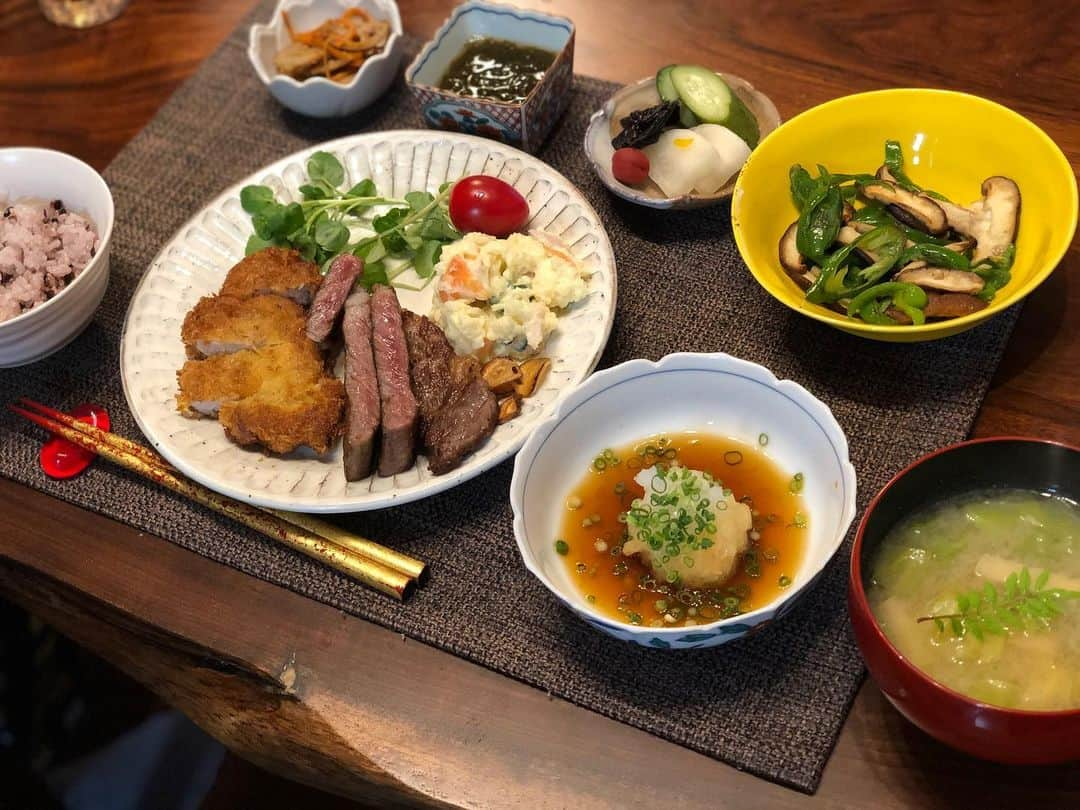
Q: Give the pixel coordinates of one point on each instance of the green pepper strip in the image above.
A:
(894, 161)
(935, 256)
(995, 273)
(876, 214)
(803, 186)
(870, 306)
(819, 223)
(885, 242)
(829, 285)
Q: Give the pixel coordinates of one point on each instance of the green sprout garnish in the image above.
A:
(1016, 604)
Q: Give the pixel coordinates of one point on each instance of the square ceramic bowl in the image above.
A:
(320, 97)
(49, 175)
(713, 393)
(524, 125)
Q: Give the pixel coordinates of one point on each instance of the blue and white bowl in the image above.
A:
(523, 125)
(713, 393)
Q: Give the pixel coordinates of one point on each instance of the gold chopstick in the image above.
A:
(411, 566)
(375, 574)
(415, 568)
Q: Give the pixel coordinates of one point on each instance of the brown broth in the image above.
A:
(622, 588)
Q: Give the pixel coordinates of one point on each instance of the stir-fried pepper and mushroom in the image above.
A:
(884, 250)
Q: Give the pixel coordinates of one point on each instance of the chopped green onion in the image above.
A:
(763, 439)
(562, 547)
(796, 485)
(590, 598)
(733, 457)
(785, 580)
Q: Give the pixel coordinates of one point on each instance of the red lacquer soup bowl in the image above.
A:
(990, 732)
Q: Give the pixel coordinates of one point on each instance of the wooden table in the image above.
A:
(340, 703)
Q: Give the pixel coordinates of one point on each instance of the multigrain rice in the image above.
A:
(43, 247)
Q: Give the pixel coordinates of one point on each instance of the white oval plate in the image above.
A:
(194, 262)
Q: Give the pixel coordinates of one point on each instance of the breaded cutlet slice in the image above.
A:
(285, 415)
(205, 385)
(274, 271)
(223, 324)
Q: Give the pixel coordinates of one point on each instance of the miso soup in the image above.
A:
(982, 593)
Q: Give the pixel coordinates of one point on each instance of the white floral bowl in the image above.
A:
(320, 97)
(27, 172)
(709, 392)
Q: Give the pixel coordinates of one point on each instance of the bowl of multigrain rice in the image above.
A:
(56, 221)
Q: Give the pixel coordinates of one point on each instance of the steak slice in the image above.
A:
(361, 388)
(330, 298)
(430, 359)
(463, 423)
(399, 408)
(457, 409)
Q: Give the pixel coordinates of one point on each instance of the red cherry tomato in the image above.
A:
(60, 458)
(488, 205)
(630, 166)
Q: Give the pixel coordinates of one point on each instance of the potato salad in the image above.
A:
(502, 297)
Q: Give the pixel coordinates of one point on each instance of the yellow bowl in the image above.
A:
(952, 142)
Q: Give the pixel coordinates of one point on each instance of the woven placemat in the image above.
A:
(771, 704)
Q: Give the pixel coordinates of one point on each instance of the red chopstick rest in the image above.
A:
(60, 458)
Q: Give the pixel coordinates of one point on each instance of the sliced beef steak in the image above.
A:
(465, 422)
(457, 410)
(361, 388)
(399, 408)
(430, 359)
(331, 295)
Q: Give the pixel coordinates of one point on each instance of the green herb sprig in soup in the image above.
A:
(982, 592)
(683, 529)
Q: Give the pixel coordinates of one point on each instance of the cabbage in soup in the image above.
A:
(982, 592)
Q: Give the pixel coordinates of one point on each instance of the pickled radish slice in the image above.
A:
(682, 161)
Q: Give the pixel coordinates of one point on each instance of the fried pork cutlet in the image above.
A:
(279, 396)
(284, 415)
(222, 324)
(206, 384)
(273, 271)
(252, 365)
